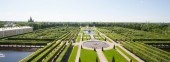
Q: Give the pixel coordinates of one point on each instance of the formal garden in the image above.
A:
(89, 43)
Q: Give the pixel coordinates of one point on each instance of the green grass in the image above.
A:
(98, 37)
(88, 55)
(110, 53)
(78, 38)
(86, 37)
(133, 59)
(126, 33)
(73, 54)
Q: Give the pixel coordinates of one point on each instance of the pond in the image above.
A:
(90, 32)
(14, 55)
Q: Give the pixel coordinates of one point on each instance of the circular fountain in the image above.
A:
(95, 44)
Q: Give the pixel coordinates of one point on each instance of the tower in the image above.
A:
(30, 20)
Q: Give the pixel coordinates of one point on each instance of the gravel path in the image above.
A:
(79, 50)
(101, 55)
(99, 51)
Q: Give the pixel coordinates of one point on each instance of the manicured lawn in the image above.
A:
(88, 55)
(73, 54)
(110, 53)
(133, 59)
(98, 37)
(78, 38)
(86, 37)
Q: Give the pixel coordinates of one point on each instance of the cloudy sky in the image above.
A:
(86, 10)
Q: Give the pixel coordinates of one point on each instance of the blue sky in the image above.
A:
(86, 10)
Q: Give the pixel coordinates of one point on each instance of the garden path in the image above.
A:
(79, 50)
(116, 44)
(101, 55)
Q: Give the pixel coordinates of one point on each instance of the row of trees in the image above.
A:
(151, 27)
(161, 28)
(40, 25)
(1, 24)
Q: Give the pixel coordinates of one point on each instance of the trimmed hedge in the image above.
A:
(63, 54)
(40, 57)
(151, 39)
(52, 54)
(48, 53)
(31, 39)
(22, 43)
(146, 52)
(36, 53)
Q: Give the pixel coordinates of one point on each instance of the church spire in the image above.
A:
(30, 20)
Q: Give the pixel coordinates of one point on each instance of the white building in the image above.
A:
(10, 31)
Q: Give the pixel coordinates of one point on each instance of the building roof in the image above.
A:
(14, 28)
